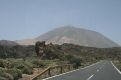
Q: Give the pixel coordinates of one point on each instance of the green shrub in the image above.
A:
(38, 63)
(1, 63)
(4, 75)
(8, 76)
(119, 66)
(69, 57)
(24, 68)
(76, 62)
(2, 70)
(3, 78)
(27, 70)
(6, 63)
(15, 73)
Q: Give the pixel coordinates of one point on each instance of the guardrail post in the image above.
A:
(61, 69)
(49, 73)
(69, 67)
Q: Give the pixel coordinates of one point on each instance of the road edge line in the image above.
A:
(116, 67)
(72, 71)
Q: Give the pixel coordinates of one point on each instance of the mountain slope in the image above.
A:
(78, 36)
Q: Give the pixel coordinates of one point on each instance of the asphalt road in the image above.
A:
(103, 70)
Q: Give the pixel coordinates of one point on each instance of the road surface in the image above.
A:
(103, 70)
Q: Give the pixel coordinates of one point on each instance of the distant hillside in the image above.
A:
(60, 52)
(7, 43)
(73, 35)
(26, 42)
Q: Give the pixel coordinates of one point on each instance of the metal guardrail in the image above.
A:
(50, 71)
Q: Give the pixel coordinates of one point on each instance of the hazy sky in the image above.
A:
(21, 19)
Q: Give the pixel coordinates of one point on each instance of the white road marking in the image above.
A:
(90, 77)
(116, 67)
(97, 70)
